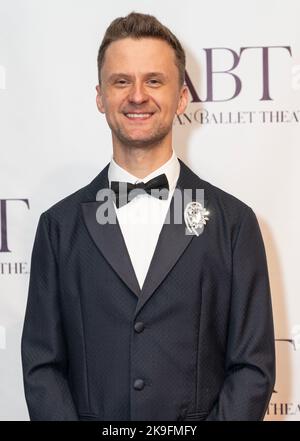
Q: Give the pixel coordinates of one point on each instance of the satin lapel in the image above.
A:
(172, 241)
(108, 237)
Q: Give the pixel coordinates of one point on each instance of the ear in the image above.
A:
(183, 100)
(99, 99)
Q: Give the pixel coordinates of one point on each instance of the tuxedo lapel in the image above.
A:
(172, 240)
(108, 237)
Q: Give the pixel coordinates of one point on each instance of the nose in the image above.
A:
(137, 93)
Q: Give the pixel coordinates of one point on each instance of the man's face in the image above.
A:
(140, 92)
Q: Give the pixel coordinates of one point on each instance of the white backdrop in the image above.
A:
(54, 141)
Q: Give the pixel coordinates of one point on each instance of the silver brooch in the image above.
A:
(195, 217)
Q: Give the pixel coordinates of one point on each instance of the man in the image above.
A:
(147, 320)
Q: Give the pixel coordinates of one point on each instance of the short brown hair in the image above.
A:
(136, 25)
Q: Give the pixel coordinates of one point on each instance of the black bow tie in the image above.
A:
(122, 189)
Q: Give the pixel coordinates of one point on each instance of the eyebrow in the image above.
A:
(116, 75)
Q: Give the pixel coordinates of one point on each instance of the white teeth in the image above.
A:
(138, 115)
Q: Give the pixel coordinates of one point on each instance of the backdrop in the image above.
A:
(240, 132)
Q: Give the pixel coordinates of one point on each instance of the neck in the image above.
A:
(141, 161)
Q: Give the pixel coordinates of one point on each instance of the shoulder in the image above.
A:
(68, 207)
(65, 206)
(227, 213)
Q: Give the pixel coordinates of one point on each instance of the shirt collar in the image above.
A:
(171, 168)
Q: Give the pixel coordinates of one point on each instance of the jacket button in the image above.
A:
(139, 326)
(139, 384)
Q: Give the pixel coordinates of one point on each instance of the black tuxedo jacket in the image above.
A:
(196, 343)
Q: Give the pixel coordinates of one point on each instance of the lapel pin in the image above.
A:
(195, 217)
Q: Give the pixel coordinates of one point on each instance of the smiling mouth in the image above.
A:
(138, 116)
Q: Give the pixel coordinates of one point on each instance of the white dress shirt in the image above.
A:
(142, 218)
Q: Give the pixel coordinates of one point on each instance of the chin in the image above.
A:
(140, 139)
(139, 142)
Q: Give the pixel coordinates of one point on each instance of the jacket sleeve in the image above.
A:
(250, 353)
(43, 346)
